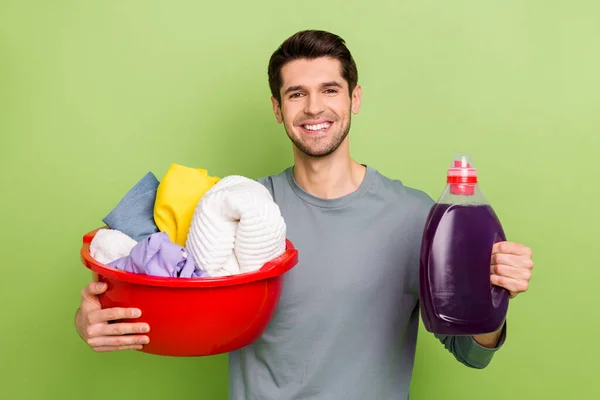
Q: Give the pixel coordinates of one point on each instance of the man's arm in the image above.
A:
(474, 352)
(489, 340)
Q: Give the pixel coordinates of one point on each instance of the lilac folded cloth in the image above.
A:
(157, 255)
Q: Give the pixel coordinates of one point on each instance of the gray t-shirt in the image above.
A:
(346, 325)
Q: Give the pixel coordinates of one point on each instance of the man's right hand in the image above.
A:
(93, 325)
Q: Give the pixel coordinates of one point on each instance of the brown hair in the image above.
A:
(311, 44)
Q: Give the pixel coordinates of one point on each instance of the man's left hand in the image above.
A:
(511, 267)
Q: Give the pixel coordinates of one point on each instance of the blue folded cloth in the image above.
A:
(134, 214)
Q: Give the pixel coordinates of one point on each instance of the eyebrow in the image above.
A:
(300, 87)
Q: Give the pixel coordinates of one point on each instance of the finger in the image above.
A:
(89, 301)
(511, 248)
(98, 330)
(118, 341)
(508, 271)
(95, 288)
(105, 349)
(510, 284)
(512, 260)
(112, 314)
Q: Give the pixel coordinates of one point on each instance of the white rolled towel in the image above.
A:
(236, 228)
(109, 245)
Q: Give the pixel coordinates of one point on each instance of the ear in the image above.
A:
(356, 98)
(277, 110)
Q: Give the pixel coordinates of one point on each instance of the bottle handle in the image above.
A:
(499, 294)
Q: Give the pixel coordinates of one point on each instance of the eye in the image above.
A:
(330, 91)
(295, 95)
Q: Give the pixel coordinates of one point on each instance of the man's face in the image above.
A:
(315, 106)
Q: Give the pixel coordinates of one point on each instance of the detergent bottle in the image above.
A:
(456, 294)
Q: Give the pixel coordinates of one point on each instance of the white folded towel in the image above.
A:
(236, 228)
(109, 245)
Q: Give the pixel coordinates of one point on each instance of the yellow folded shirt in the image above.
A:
(177, 196)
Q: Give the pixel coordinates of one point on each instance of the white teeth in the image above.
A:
(317, 127)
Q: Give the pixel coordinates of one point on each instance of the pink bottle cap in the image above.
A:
(462, 176)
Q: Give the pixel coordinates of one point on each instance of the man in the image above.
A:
(346, 325)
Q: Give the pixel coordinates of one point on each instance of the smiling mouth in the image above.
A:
(317, 128)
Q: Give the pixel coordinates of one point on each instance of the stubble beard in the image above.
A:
(316, 148)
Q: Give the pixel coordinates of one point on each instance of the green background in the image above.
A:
(95, 94)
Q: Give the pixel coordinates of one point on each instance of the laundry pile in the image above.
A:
(191, 225)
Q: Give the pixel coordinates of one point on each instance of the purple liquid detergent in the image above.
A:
(456, 295)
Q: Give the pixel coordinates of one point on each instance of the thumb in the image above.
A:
(96, 288)
(89, 301)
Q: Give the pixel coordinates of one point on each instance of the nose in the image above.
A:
(314, 105)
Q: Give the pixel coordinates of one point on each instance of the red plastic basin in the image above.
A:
(196, 316)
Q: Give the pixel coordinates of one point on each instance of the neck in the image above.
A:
(329, 177)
